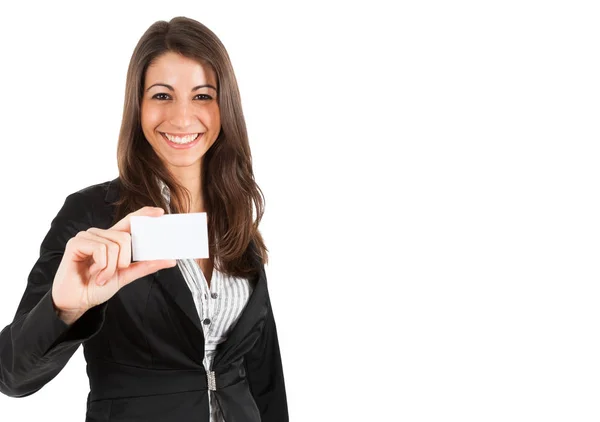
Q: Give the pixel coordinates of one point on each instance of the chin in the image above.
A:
(184, 161)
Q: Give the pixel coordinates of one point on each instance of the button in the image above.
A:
(214, 295)
(206, 321)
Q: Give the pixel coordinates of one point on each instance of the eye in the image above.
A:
(161, 96)
(205, 97)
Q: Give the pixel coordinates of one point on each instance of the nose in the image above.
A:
(181, 115)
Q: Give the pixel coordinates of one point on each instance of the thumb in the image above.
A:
(125, 223)
(143, 268)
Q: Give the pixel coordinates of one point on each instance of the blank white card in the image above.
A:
(170, 236)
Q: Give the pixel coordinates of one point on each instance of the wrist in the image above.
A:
(68, 317)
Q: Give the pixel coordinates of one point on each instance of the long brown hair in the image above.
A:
(228, 186)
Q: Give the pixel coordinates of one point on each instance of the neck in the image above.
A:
(190, 178)
(198, 208)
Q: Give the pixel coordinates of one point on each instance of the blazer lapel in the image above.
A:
(255, 309)
(174, 284)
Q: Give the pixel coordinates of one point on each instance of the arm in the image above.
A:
(265, 373)
(37, 344)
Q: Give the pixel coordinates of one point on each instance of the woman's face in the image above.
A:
(179, 111)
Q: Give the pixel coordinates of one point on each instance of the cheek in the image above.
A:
(215, 117)
(209, 117)
(151, 118)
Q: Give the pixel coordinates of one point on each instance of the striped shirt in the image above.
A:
(219, 307)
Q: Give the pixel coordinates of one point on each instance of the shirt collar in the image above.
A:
(164, 190)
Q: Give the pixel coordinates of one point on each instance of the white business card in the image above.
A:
(170, 236)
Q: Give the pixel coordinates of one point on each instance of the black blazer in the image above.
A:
(144, 347)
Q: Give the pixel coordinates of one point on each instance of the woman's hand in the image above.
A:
(96, 264)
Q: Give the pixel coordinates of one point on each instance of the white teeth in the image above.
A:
(182, 140)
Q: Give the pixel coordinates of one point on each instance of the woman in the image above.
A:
(164, 340)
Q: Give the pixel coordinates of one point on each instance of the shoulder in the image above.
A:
(99, 190)
(84, 201)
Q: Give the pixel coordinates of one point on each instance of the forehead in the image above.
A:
(174, 69)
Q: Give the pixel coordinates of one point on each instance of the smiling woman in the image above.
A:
(180, 113)
(164, 340)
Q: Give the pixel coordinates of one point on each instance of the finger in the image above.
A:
(111, 253)
(143, 268)
(81, 248)
(124, 224)
(123, 239)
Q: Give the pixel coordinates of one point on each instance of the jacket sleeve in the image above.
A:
(37, 344)
(265, 373)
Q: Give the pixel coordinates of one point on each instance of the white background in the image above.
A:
(431, 179)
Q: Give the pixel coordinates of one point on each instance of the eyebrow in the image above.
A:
(171, 88)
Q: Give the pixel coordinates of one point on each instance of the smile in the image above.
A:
(181, 138)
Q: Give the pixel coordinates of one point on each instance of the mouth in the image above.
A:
(181, 140)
